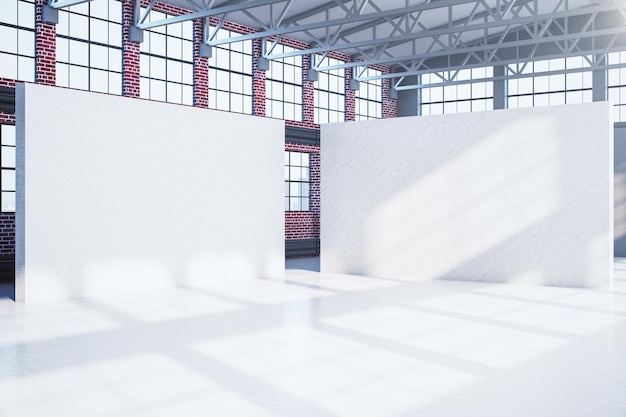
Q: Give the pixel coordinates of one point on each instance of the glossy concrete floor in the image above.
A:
(323, 346)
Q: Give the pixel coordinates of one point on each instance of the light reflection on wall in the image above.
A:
(516, 195)
(467, 206)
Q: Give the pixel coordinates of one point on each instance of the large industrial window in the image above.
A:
(89, 47)
(330, 91)
(17, 40)
(617, 85)
(7, 173)
(167, 61)
(284, 86)
(297, 181)
(552, 89)
(369, 97)
(230, 76)
(463, 95)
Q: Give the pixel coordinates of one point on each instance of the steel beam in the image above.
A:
(59, 4)
(509, 77)
(208, 13)
(351, 17)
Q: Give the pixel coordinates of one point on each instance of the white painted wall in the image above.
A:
(620, 189)
(118, 194)
(503, 196)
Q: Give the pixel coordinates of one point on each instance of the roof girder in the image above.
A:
(351, 16)
(540, 24)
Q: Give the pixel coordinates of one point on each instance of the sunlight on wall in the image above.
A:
(510, 195)
(466, 207)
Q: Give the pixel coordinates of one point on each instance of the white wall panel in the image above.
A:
(118, 194)
(504, 196)
(620, 190)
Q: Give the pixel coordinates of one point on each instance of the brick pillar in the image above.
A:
(45, 48)
(390, 105)
(258, 80)
(130, 53)
(315, 191)
(308, 93)
(350, 99)
(200, 68)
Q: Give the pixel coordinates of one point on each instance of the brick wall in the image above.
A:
(258, 80)
(390, 105)
(7, 118)
(200, 68)
(45, 48)
(350, 98)
(7, 233)
(308, 93)
(130, 53)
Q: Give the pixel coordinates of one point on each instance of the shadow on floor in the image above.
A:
(7, 291)
(308, 264)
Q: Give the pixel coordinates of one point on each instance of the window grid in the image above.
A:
(330, 94)
(230, 76)
(17, 40)
(167, 62)
(297, 181)
(89, 47)
(284, 86)
(7, 172)
(369, 97)
(550, 90)
(457, 98)
(617, 84)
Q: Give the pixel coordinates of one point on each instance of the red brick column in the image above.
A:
(308, 93)
(350, 98)
(390, 105)
(130, 53)
(200, 68)
(45, 48)
(258, 80)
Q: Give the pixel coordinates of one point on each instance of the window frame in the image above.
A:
(368, 99)
(300, 183)
(4, 169)
(24, 51)
(278, 87)
(537, 90)
(457, 97)
(224, 98)
(331, 85)
(165, 61)
(70, 71)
